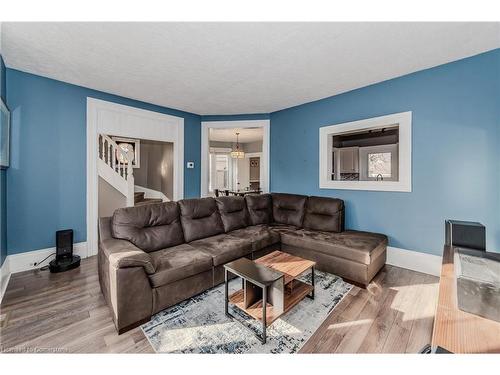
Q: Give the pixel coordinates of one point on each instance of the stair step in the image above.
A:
(148, 201)
(138, 196)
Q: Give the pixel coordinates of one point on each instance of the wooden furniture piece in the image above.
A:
(269, 286)
(291, 266)
(456, 330)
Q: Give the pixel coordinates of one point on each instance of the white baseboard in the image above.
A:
(4, 277)
(414, 260)
(24, 262)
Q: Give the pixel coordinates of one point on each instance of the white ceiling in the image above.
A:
(228, 68)
(246, 135)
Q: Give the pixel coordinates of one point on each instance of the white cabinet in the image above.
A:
(349, 159)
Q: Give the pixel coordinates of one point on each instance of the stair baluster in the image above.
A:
(113, 159)
(120, 163)
(109, 154)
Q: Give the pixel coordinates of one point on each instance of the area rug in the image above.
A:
(199, 325)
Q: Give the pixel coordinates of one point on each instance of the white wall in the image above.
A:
(157, 167)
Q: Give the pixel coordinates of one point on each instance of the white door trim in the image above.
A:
(117, 119)
(207, 125)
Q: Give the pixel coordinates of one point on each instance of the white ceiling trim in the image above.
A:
(231, 68)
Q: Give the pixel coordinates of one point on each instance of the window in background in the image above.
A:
(379, 164)
(220, 171)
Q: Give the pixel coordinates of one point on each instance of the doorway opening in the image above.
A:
(115, 134)
(235, 157)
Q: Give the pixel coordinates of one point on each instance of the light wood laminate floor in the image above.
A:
(67, 313)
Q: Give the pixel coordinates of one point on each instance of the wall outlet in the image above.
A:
(190, 164)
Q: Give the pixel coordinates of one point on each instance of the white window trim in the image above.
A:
(403, 119)
(363, 160)
(205, 128)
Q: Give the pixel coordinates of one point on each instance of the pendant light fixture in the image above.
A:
(237, 153)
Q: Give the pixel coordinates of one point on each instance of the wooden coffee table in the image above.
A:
(270, 287)
(292, 267)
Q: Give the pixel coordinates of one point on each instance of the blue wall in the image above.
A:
(46, 182)
(456, 169)
(3, 178)
(456, 157)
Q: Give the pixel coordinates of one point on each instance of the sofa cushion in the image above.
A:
(233, 212)
(178, 263)
(357, 246)
(200, 218)
(260, 235)
(150, 227)
(260, 208)
(224, 248)
(324, 214)
(282, 228)
(288, 208)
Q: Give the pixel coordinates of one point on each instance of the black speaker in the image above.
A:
(65, 260)
(64, 244)
(467, 234)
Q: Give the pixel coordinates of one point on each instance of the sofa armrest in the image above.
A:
(124, 254)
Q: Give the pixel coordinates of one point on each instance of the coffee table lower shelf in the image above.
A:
(293, 297)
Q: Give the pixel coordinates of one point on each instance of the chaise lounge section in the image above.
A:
(154, 256)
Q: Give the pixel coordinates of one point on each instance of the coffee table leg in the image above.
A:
(312, 279)
(264, 316)
(312, 283)
(226, 292)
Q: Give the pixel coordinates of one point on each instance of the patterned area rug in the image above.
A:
(199, 325)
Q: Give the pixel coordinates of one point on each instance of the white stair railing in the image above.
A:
(116, 167)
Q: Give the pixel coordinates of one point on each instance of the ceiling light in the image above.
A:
(237, 153)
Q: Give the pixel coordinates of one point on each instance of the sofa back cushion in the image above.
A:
(150, 227)
(288, 208)
(324, 214)
(260, 208)
(200, 218)
(233, 212)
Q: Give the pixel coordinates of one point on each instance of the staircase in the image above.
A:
(140, 200)
(114, 165)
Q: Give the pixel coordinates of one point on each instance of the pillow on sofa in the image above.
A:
(324, 214)
(233, 212)
(288, 208)
(200, 218)
(150, 227)
(259, 208)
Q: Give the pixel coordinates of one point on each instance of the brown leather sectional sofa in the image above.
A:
(154, 256)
